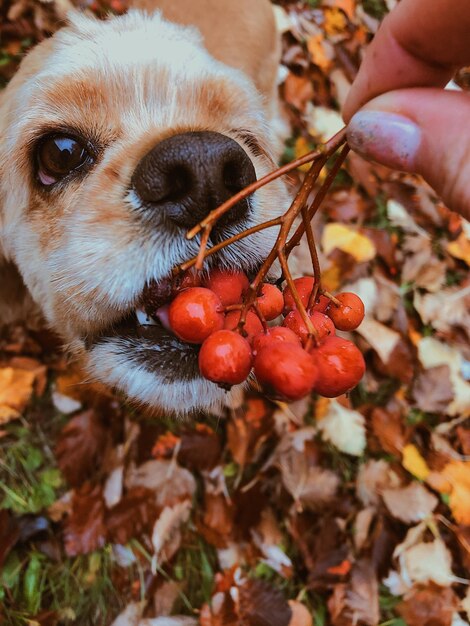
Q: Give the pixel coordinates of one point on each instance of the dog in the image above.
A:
(116, 137)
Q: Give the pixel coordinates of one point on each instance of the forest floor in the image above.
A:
(347, 511)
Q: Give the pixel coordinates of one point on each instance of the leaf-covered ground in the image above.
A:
(346, 511)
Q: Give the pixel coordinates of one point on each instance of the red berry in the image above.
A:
(321, 304)
(322, 324)
(349, 314)
(195, 313)
(271, 301)
(304, 288)
(229, 286)
(274, 334)
(252, 327)
(285, 370)
(225, 357)
(340, 366)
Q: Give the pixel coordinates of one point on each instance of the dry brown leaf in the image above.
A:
(433, 353)
(389, 429)
(358, 601)
(81, 447)
(372, 479)
(428, 606)
(261, 604)
(446, 309)
(309, 485)
(166, 535)
(133, 515)
(169, 482)
(410, 504)
(432, 389)
(421, 266)
(84, 529)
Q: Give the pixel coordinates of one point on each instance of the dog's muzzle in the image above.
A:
(186, 176)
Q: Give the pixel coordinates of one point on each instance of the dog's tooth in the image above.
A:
(144, 319)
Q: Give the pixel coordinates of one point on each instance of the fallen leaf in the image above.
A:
(320, 51)
(16, 388)
(325, 123)
(414, 462)
(84, 529)
(345, 429)
(421, 266)
(348, 240)
(428, 606)
(433, 353)
(298, 90)
(200, 448)
(166, 536)
(427, 562)
(81, 446)
(389, 429)
(301, 616)
(460, 248)
(216, 523)
(261, 604)
(169, 482)
(381, 338)
(358, 601)
(432, 389)
(410, 504)
(309, 485)
(373, 477)
(133, 515)
(446, 309)
(457, 473)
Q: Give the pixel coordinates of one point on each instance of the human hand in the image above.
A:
(398, 112)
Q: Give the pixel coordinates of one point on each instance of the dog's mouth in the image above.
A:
(143, 336)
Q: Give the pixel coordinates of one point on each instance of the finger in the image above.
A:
(422, 131)
(420, 43)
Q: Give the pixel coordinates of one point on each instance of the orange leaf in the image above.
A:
(458, 475)
(16, 388)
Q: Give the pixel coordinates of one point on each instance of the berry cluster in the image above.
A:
(289, 360)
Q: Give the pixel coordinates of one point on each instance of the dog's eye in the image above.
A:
(58, 156)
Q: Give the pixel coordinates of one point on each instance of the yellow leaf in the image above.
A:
(414, 462)
(302, 146)
(331, 278)
(348, 240)
(458, 475)
(335, 21)
(460, 248)
(321, 408)
(16, 387)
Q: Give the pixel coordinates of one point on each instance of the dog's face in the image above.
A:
(115, 138)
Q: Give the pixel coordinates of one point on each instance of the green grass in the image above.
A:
(76, 588)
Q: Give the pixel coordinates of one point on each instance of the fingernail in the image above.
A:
(388, 138)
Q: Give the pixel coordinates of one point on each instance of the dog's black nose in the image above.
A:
(188, 175)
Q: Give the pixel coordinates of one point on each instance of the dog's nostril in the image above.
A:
(232, 176)
(180, 183)
(186, 176)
